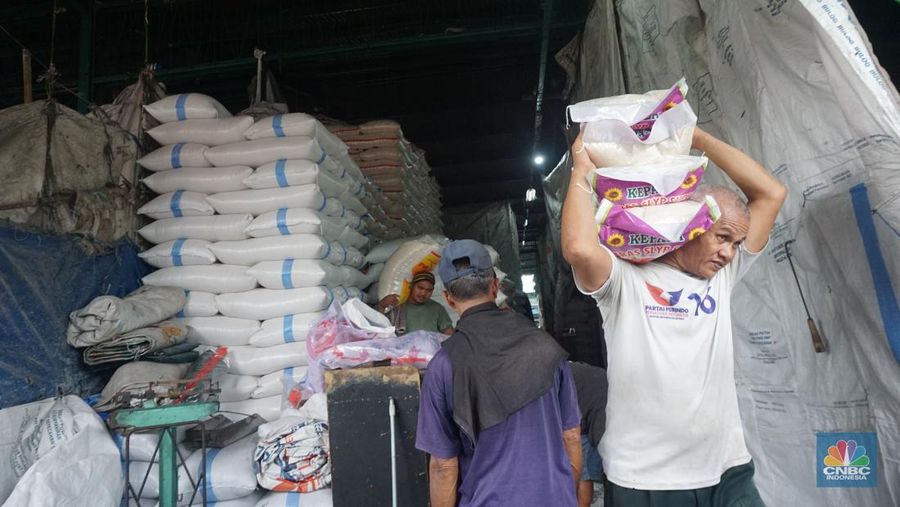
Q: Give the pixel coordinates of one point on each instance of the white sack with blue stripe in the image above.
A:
(296, 125)
(284, 173)
(199, 304)
(186, 106)
(292, 273)
(208, 180)
(263, 361)
(218, 330)
(236, 387)
(176, 156)
(248, 252)
(257, 202)
(262, 304)
(268, 408)
(215, 278)
(179, 252)
(211, 132)
(180, 203)
(273, 383)
(285, 329)
(285, 221)
(259, 152)
(212, 228)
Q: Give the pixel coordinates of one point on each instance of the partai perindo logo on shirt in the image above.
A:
(667, 304)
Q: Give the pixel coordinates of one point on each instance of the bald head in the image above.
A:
(731, 204)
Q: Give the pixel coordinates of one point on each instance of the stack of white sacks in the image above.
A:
(262, 224)
(399, 170)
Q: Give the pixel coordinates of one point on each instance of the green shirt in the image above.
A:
(429, 316)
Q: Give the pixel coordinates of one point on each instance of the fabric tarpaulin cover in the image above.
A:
(42, 279)
(796, 85)
(491, 224)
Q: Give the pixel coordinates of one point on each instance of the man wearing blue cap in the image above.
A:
(498, 413)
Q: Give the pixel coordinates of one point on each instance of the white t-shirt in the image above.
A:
(672, 419)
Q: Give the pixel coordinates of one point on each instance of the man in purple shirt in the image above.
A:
(499, 412)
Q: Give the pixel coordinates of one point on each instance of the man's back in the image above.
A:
(521, 461)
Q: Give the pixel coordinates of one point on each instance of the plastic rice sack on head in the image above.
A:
(670, 179)
(631, 129)
(643, 234)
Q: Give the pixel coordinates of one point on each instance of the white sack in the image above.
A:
(262, 151)
(229, 470)
(286, 329)
(261, 201)
(236, 387)
(186, 106)
(292, 273)
(267, 408)
(141, 446)
(298, 246)
(199, 304)
(262, 304)
(75, 461)
(208, 180)
(366, 318)
(218, 330)
(213, 228)
(216, 278)
(180, 203)
(273, 383)
(284, 173)
(285, 221)
(283, 125)
(137, 372)
(351, 237)
(319, 498)
(179, 252)
(211, 132)
(381, 253)
(108, 316)
(262, 361)
(175, 156)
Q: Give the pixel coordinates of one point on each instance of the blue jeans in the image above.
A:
(591, 467)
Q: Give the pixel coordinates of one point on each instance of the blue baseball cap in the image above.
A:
(479, 259)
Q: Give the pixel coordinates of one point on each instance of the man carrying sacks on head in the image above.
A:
(673, 433)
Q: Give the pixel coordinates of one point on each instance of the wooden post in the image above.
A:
(26, 75)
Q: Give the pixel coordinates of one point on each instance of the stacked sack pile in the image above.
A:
(261, 223)
(399, 170)
(645, 177)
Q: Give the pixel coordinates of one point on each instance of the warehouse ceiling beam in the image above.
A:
(388, 47)
(542, 74)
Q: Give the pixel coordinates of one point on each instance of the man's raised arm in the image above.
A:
(765, 194)
(578, 231)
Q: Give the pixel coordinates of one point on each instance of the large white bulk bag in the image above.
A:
(284, 173)
(179, 203)
(229, 471)
(217, 278)
(268, 408)
(217, 330)
(273, 383)
(292, 273)
(285, 221)
(179, 252)
(236, 387)
(211, 132)
(208, 180)
(175, 156)
(319, 498)
(283, 125)
(273, 248)
(262, 304)
(416, 255)
(199, 304)
(212, 228)
(262, 151)
(260, 201)
(286, 329)
(186, 106)
(262, 361)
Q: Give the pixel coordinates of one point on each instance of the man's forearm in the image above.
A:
(443, 478)
(572, 440)
(751, 177)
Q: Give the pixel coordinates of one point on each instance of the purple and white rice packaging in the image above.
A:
(672, 178)
(645, 233)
